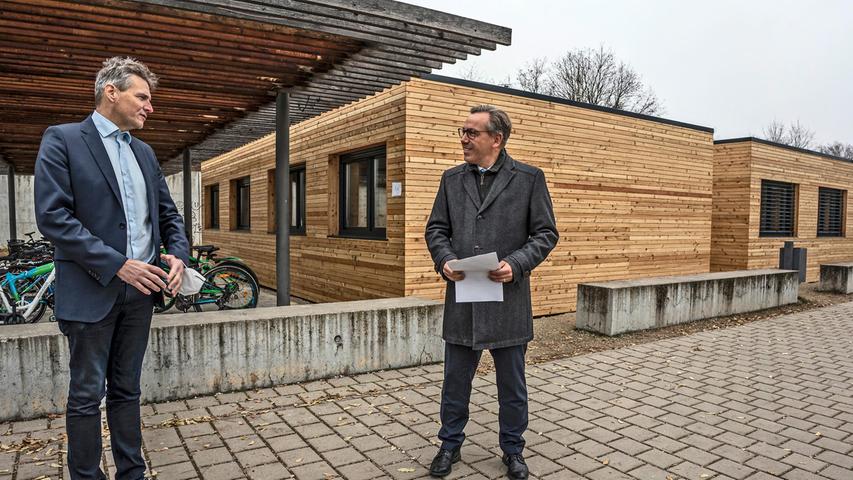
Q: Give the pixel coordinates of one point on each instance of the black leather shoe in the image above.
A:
(515, 466)
(443, 462)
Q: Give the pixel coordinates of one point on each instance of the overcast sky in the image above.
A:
(731, 65)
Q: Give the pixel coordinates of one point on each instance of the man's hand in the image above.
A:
(451, 274)
(176, 271)
(503, 274)
(144, 277)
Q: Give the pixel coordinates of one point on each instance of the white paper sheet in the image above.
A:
(477, 287)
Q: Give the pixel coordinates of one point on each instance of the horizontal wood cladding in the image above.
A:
(324, 267)
(730, 219)
(808, 172)
(632, 197)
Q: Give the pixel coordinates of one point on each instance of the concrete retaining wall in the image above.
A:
(616, 307)
(204, 353)
(836, 277)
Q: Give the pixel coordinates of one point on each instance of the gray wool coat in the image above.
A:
(516, 220)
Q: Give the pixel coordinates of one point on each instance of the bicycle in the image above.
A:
(26, 281)
(227, 287)
(204, 263)
(27, 252)
(25, 296)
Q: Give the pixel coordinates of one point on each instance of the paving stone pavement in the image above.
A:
(771, 399)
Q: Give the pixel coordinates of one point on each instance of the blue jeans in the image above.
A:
(106, 358)
(460, 365)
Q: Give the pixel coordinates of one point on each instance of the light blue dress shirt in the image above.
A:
(131, 184)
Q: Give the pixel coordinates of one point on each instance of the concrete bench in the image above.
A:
(203, 353)
(836, 277)
(622, 306)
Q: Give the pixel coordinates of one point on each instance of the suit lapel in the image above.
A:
(147, 173)
(99, 153)
(469, 182)
(503, 178)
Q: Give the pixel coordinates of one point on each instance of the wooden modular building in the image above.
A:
(766, 193)
(632, 193)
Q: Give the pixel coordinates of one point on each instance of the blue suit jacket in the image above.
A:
(78, 208)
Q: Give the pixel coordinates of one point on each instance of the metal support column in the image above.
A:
(282, 198)
(188, 196)
(13, 219)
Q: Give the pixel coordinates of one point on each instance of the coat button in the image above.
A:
(121, 226)
(479, 217)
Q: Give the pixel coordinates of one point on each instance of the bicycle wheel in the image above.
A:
(233, 287)
(168, 301)
(239, 264)
(28, 296)
(37, 312)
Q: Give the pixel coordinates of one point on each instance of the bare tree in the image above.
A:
(775, 132)
(473, 73)
(838, 149)
(597, 77)
(533, 77)
(800, 136)
(506, 82)
(795, 134)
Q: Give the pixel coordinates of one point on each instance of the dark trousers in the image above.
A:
(460, 365)
(106, 357)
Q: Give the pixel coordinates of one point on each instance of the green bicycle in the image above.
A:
(25, 296)
(229, 284)
(26, 281)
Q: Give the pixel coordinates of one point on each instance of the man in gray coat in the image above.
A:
(491, 203)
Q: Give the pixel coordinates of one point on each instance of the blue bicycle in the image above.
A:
(25, 296)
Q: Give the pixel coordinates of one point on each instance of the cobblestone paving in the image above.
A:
(772, 399)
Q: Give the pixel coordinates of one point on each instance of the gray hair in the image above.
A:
(117, 71)
(498, 121)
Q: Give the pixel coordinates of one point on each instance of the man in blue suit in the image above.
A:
(101, 198)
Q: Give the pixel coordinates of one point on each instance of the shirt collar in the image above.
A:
(495, 166)
(107, 128)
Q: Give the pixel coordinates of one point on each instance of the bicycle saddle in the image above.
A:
(205, 248)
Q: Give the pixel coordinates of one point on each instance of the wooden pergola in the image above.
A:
(231, 70)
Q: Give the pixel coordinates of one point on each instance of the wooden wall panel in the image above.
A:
(632, 197)
(809, 172)
(324, 267)
(730, 220)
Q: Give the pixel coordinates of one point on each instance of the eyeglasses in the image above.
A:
(469, 132)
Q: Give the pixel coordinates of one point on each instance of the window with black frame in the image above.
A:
(778, 209)
(297, 200)
(213, 206)
(243, 205)
(830, 212)
(363, 211)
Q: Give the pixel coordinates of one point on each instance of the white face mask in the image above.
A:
(191, 282)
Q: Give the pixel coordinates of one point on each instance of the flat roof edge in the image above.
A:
(549, 98)
(780, 145)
